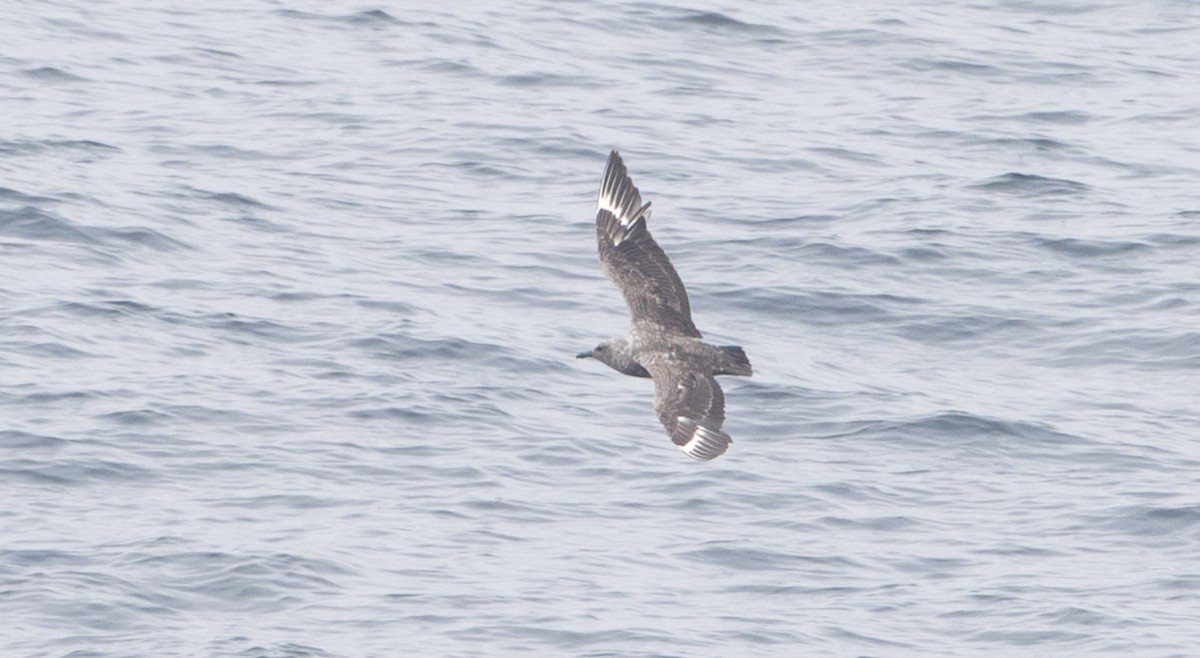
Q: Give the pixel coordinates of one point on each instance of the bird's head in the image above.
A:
(602, 353)
(616, 354)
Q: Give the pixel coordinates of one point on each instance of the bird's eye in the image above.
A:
(600, 348)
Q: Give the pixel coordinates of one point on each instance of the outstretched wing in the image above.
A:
(691, 407)
(631, 258)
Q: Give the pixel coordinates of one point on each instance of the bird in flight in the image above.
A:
(662, 342)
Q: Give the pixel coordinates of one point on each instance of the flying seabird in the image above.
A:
(662, 342)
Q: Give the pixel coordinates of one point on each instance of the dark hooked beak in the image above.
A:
(584, 355)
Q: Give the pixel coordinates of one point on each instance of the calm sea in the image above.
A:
(290, 295)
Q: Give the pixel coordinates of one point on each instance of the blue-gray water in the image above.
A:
(291, 294)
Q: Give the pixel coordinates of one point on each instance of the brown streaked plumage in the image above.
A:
(663, 342)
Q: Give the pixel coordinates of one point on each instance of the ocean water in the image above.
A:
(291, 293)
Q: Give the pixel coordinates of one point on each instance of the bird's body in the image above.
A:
(662, 342)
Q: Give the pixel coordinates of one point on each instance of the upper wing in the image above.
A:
(691, 407)
(631, 258)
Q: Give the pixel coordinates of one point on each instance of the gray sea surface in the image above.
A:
(290, 295)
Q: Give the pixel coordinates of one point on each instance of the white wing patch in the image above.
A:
(705, 444)
(620, 237)
(605, 201)
(618, 195)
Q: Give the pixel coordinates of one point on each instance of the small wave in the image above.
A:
(391, 306)
(231, 152)
(276, 650)
(1067, 117)
(925, 254)
(235, 582)
(53, 397)
(51, 74)
(873, 524)
(73, 472)
(411, 416)
(230, 199)
(1042, 9)
(104, 309)
(282, 501)
(1039, 639)
(31, 223)
(367, 17)
(41, 557)
(716, 21)
(55, 351)
(1142, 349)
(140, 236)
(1090, 248)
(954, 66)
(136, 417)
(1149, 521)
(24, 441)
(1035, 143)
(840, 255)
(1031, 184)
(739, 558)
(404, 347)
(7, 194)
(88, 147)
(540, 80)
(373, 17)
(946, 329)
(821, 308)
(218, 54)
(975, 434)
(258, 328)
(1174, 239)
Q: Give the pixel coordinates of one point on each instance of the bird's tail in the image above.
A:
(734, 361)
